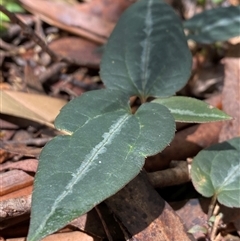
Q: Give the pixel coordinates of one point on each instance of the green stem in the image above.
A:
(143, 99)
(211, 206)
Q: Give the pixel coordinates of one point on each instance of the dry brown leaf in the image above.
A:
(69, 18)
(18, 193)
(14, 180)
(40, 108)
(107, 10)
(82, 51)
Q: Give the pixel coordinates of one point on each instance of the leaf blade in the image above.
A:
(110, 157)
(186, 109)
(153, 58)
(213, 25)
(219, 167)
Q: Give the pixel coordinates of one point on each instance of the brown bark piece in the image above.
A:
(231, 94)
(29, 165)
(18, 193)
(145, 214)
(90, 223)
(14, 180)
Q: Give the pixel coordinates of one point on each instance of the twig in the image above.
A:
(178, 173)
(51, 71)
(15, 207)
(7, 46)
(29, 32)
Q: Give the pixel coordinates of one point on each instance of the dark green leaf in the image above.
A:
(106, 148)
(185, 109)
(147, 54)
(213, 25)
(216, 171)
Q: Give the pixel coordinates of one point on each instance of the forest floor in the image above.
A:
(38, 79)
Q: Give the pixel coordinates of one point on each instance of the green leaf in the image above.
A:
(216, 171)
(213, 25)
(105, 149)
(11, 6)
(14, 7)
(147, 53)
(185, 109)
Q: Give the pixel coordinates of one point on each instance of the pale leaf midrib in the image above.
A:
(145, 56)
(107, 138)
(192, 113)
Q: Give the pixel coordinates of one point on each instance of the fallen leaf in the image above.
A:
(107, 10)
(40, 108)
(67, 17)
(14, 180)
(82, 51)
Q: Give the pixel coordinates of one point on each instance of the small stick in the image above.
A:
(178, 173)
(15, 207)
